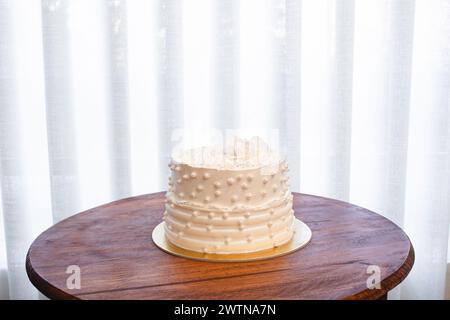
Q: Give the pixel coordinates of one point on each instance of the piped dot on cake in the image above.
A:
(193, 174)
(234, 198)
(265, 180)
(272, 211)
(244, 186)
(249, 177)
(181, 194)
(239, 177)
(211, 215)
(225, 215)
(206, 176)
(180, 233)
(185, 176)
(172, 205)
(248, 196)
(263, 193)
(230, 181)
(217, 184)
(177, 168)
(195, 213)
(193, 195)
(207, 199)
(274, 188)
(249, 239)
(188, 225)
(227, 240)
(269, 224)
(179, 181)
(248, 214)
(209, 228)
(241, 225)
(200, 188)
(217, 193)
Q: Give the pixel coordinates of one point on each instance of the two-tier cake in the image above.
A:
(229, 200)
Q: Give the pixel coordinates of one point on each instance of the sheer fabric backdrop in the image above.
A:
(91, 90)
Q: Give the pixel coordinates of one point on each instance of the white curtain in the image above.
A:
(91, 90)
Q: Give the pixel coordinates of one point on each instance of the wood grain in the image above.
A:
(112, 245)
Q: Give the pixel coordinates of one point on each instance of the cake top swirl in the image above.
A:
(236, 154)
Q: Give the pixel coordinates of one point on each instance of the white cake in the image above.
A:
(229, 200)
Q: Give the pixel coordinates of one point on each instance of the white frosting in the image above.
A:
(234, 202)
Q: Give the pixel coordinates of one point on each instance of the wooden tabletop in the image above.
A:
(117, 259)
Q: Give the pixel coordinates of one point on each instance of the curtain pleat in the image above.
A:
(257, 48)
(145, 38)
(118, 107)
(90, 50)
(24, 169)
(62, 147)
(326, 99)
(340, 98)
(428, 171)
(290, 128)
(170, 80)
(225, 42)
(382, 76)
(197, 63)
(278, 50)
(13, 183)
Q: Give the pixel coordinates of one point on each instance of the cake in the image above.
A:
(228, 200)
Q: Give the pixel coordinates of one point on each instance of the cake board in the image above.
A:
(302, 236)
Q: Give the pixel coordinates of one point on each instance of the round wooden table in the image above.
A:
(110, 250)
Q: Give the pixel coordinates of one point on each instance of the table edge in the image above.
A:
(390, 282)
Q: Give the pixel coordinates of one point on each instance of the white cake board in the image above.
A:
(302, 235)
